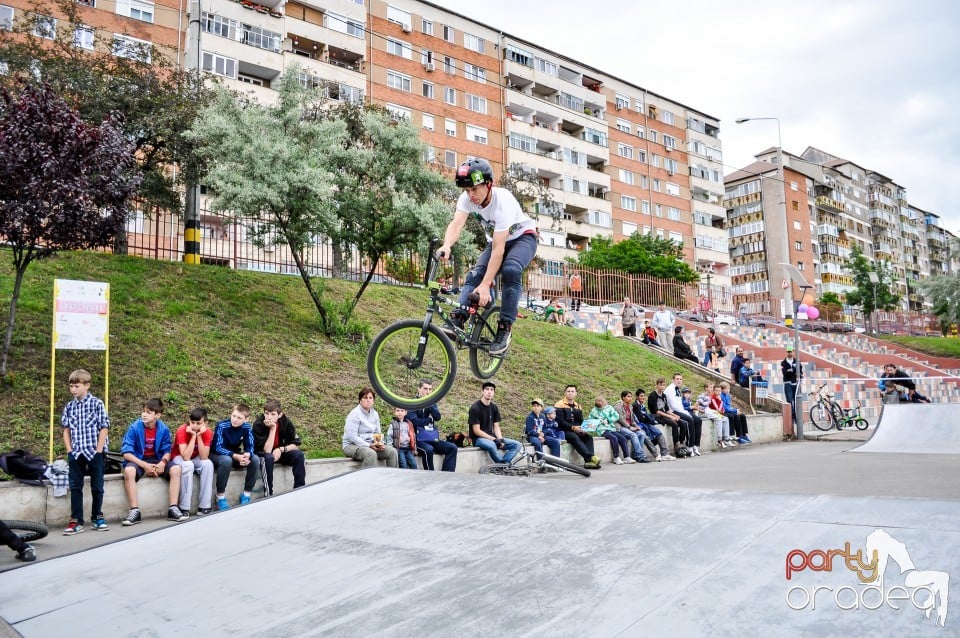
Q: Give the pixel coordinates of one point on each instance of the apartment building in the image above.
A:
(847, 206)
(617, 158)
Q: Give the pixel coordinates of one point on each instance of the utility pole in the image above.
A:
(191, 209)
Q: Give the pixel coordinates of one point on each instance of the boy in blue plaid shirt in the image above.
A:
(85, 425)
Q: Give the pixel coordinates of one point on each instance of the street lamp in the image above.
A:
(798, 279)
(874, 279)
(707, 272)
(782, 203)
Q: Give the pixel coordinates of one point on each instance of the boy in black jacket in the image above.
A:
(275, 440)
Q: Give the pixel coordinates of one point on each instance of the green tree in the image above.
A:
(640, 255)
(387, 199)
(944, 290)
(863, 293)
(830, 306)
(158, 100)
(64, 183)
(267, 164)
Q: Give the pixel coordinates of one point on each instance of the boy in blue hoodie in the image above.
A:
(146, 450)
(233, 448)
(535, 429)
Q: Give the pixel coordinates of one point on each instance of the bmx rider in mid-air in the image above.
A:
(511, 244)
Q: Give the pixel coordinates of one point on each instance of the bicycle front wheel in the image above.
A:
(861, 423)
(27, 530)
(821, 416)
(558, 462)
(395, 372)
(483, 364)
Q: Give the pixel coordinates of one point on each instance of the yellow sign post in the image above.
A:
(81, 321)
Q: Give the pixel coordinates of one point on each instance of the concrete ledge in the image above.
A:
(37, 503)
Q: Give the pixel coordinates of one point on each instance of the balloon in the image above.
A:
(803, 307)
(812, 313)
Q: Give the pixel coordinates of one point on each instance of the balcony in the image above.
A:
(829, 204)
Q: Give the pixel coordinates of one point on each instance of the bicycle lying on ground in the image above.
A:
(28, 530)
(826, 413)
(413, 349)
(525, 464)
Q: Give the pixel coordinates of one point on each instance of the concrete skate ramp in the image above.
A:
(399, 553)
(915, 428)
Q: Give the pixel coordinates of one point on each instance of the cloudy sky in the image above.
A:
(874, 81)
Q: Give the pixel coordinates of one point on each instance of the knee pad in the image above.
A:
(511, 271)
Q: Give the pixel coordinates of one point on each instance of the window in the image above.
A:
(626, 177)
(666, 117)
(628, 229)
(135, 221)
(427, 90)
(427, 27)
(546, 66)
(671, 165)
(793, 186)
(645, 209)
(450, 159)
(340, 24)
(450, 127)
(44, 27)
(429, 155)
(624, 150)
(673, 213)
(428, 122)
(653, 136)
(398, 81)
(450, 95)
(6, 18)
(449, 65)
(219, 65)
(798, 245)
(398, 16)
(448, 33)
(476, 103)
(601, 218)
(628, 203)
(795, 205)
(644, 181)
(669, 141)
(523, 142)
(476, 134)
(218, 25)
(474, 73)
(472, 42)
(426, 57)
(397, 47)
(520, 56)
(249, 79)
(398, 113)
(796, 225)
(641, 156)
(799, 265)
(673, 189)
(676, 237)
(621, 102)
(83, 38)
(656, 185)
(623, 125)
(655, 161)
(136, 9)
(132, 48)
(261, 38)
(658, 211)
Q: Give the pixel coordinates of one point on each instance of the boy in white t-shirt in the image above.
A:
(511, 243)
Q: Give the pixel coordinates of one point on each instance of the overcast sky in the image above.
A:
(874, 81)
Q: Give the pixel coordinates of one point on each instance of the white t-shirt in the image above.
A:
(502, 213)
(663, 320)
(674, 400)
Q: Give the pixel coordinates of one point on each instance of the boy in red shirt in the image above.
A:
(191, 452)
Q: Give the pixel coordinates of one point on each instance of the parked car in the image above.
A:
(758, 320)
(690, 315)
(617, 308)
(723, 319)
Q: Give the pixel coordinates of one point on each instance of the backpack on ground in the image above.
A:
(459, 439)
(22, 465)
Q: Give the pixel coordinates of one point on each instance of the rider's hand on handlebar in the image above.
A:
(484, 292)
(443, 253)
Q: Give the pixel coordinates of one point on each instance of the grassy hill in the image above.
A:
(936, 346)
(210, 336)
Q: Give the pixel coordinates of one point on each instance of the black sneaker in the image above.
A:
(133, 517)
(174, 514)
(502, 341)
(28, 554)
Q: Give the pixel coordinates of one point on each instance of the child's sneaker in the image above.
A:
(133, 517)
(617, 461)
(72, 528)
(28, 554)
(222, 504)
(100, 525)
(174, 514)
(203, 511)
(244, 499)
(721, 444)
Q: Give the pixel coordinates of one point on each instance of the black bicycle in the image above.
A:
(525, 464)
(27, 530)
(826, 413)
(413, 349)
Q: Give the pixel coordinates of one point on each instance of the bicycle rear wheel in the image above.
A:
(821, 416)
(483, 364)
(560, 463)
(861, 423)
(504, 469)
(394, 373)
(28, 530)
